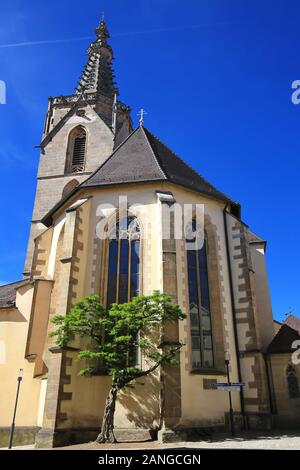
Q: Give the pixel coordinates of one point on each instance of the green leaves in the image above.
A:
(84, 319)
(112, 338)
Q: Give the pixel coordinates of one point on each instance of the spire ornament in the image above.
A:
(98, 75)
(102, 31)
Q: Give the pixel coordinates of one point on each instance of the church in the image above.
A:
(91, 158)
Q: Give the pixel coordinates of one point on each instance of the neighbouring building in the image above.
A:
(90, 156)
(283, 362)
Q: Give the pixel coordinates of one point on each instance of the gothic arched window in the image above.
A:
(292, 382)
(123, 280)
(199, 305)
(76, 150)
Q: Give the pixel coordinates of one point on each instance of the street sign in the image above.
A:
(229, 387)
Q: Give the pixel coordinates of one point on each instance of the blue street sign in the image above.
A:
(229, 387)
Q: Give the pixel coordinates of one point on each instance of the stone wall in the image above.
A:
(253, 369)
(52, 177)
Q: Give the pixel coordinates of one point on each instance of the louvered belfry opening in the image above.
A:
(77, 150)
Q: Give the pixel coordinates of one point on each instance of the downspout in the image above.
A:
(270, 383)
(233, 309)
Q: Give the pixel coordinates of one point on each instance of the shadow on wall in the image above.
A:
(12, 315)
(141, 403)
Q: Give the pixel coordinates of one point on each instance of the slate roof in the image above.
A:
(283, 340)
(8, 294)
(142, 157)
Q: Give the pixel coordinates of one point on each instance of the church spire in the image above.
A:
(98, 76)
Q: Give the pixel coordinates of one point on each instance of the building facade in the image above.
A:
(94, 168)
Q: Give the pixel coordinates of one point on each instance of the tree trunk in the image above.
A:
(107, 428)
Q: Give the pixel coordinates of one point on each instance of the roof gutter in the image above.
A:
(8, 306)
(269, 374)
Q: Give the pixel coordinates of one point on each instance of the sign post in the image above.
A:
(227, 360)
(229, 387)
(12, 429)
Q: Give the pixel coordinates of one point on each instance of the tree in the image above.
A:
(115, 336)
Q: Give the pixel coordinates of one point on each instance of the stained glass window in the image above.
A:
(124, 261)
(199, 307)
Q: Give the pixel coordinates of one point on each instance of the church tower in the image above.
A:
(81, 131)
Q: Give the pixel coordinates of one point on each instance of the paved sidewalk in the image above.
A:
(28, 447)
(249, 440)
(272, 440)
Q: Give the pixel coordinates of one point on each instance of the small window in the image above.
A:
(292, 381)
(76, 150)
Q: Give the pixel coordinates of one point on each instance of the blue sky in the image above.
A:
(215, 78)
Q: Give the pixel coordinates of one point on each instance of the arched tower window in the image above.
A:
(123, 280)
(76, 151)
(199, 305)
(292, 381)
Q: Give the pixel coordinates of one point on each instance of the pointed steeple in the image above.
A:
(98, 76)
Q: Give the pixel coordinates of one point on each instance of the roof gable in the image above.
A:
(179, 172)
(293, 322)
(283, 340)
(8, 293)
(133, 161)
(80, 102)
(143, 157)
